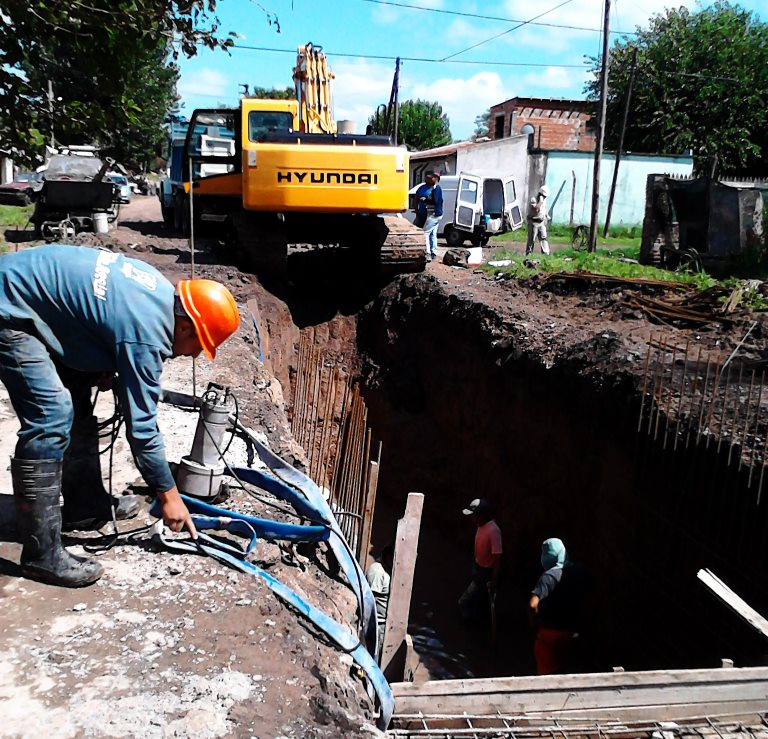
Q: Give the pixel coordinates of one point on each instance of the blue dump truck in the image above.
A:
(173, 182)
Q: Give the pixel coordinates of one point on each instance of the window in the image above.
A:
(498, 127)
(212, 143)
(509, 191)
(468, 192)
(268, 121)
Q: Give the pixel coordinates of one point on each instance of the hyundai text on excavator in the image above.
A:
(276, 172)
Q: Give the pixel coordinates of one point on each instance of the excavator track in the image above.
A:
(391, 243)
(403, 247)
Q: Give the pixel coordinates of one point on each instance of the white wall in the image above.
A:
(502, 157)
(6, 170)
(629, 201)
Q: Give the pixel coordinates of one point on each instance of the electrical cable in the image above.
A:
(443, 11)
(425, 60)
(317, 522)
(509, 30)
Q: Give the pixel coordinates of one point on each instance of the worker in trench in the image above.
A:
(70, 318)
(556, 609)
(477, 602)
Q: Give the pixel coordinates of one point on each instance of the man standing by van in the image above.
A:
(538, 215)
(429, 210)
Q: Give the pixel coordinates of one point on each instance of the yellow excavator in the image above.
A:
(277, 173)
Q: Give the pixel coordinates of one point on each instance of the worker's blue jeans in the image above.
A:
(430, 234)
(42, 403)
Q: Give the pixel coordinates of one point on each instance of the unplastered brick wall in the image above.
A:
(557, 124)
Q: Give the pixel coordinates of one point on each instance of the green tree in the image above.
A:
(701, 84)
(274, 93)
(423, 125)
(111, 65)
(482, 125)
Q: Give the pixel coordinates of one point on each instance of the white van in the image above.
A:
(475, 207)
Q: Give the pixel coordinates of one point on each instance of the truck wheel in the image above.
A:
(453, 237)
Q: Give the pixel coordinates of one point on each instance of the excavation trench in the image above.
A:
(469, 401)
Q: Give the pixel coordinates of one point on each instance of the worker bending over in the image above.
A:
(67, 311)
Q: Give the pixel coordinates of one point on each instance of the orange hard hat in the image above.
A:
(212, 310)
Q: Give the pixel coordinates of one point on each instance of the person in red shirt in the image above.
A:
(474, 602)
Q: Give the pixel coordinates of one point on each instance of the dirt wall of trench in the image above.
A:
(471, 400)
(466, 406)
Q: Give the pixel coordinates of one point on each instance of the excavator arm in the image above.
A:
(312, 79)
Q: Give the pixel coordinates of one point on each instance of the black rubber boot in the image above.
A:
(36, 489)
(87, 505)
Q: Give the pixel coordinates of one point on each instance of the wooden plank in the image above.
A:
(411, 659)
(367, 523)
(607, 701)
(661, 695)
(401, 586)
(733, 601)
(615, 680)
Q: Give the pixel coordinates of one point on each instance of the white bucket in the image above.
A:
(100, 223)
(475, 256)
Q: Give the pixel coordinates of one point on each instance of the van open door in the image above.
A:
(512, 212)
(469, 202)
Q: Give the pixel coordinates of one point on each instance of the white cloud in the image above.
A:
(359, 87)
(206, 82)
(463, 99)
(551, 82)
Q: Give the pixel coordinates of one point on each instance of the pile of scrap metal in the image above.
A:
(202, 474)
(675, 302)
(74, 197)
(702, 221)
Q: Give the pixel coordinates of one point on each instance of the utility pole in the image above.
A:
(600, 131)
(50, 112)
(396, 85)
(620, 148)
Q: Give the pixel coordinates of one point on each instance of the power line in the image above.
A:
(509, 30)
(421, 60)
(493, 17)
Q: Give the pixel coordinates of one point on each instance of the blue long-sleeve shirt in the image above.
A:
(433, 205)
(97, 311)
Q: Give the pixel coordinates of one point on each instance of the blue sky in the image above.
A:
(551, 56)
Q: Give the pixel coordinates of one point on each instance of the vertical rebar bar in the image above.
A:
(302, 398)
(746, 419)
(645, 384)
(298, 387)
(693, 391)
(325, 444)
(757, 429)
(682, 393)
(658, 370)
(703, 400)
(671, 393)
(736, 405)
(340, 435)
(713, 400)
(724, 408)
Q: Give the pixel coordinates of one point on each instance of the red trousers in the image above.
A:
(552, 650)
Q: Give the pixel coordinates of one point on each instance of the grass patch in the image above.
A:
(603, 261)
(559, 233)
(14, 215)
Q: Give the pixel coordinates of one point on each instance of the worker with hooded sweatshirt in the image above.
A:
(79, 314)
(538, 215)
(556, 608)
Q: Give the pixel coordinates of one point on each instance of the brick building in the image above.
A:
(555, 123)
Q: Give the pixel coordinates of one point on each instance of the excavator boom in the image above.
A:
(312, 78)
